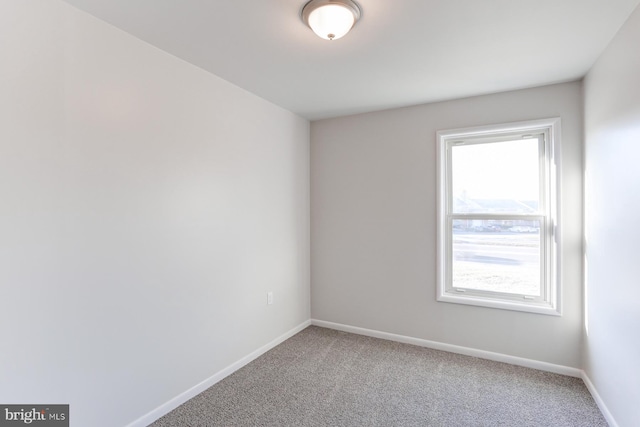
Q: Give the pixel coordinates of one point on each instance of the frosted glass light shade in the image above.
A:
(330, 19)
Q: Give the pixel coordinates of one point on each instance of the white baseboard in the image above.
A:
(596, 396)
(165, 408)
(498, 357)
(169, 406)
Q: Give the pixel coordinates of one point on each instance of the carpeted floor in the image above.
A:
(322, 377)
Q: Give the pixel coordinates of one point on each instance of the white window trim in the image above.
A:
(552, 303)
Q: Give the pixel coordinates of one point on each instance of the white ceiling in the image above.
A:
(402, 52)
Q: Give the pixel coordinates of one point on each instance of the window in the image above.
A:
(498, 210)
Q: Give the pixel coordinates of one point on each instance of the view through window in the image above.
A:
(491, 253)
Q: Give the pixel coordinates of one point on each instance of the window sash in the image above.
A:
(543, 160)
(544, 234)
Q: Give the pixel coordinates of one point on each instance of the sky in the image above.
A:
(498, 170)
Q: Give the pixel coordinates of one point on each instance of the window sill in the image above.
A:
(528, 307)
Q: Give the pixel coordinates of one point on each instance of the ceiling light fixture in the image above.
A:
(331, 19)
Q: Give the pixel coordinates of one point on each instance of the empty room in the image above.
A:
(319, 213)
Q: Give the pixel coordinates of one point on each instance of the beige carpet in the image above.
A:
(322, 377)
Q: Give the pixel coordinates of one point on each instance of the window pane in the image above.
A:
(496, 177)
(498, 256)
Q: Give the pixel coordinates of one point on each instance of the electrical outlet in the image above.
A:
(269, 298)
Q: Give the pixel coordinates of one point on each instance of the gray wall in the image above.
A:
(147, 207)
(373, 225)
(612, 235)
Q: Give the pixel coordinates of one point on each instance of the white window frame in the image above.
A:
(548, 213)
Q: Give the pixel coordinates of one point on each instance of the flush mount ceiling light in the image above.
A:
(331, 19)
